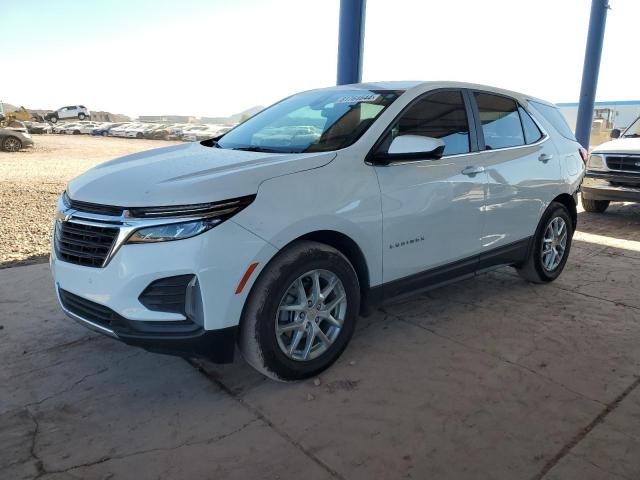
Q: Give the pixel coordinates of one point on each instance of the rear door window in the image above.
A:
(501, 126)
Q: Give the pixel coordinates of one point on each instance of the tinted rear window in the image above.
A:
(500, 120)
(555, 118)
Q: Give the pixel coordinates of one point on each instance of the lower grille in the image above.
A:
(86, 245)
(94, 312)
(625, 163)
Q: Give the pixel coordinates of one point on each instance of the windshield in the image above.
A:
(315, 121)
(634, 130)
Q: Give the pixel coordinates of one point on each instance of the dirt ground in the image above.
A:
(32, 180)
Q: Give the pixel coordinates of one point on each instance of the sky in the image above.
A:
(219, 57)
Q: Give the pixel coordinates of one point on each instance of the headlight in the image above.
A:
(174, 231)
(204, 216)
(596, 162)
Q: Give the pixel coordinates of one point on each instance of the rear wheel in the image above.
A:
(595, 206)
(549, 251)
(81, 116)
(301, 312)
(11, 144)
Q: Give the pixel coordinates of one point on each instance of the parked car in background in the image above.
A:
(104, 129)
(201, 133)
(73, 111)
(62, 128)
(121, 130)
(139, 130)
(159, 133)
(277, 241)
(79, 128)
(74, 128)
(38, 127)
(15, 137)
(613, 171)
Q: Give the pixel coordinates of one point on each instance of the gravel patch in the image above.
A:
(32, 180)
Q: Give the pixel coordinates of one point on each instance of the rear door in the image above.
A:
(432, 209)
(522, 167)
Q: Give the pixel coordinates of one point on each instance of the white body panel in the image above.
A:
(452, 215)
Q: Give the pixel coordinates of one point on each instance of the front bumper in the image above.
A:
(617, 187)
(215, 345)
(218, 258)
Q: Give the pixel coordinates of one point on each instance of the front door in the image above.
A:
(432, 209)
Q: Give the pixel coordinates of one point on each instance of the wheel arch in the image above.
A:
(345, 245)
(569, 202)
(348, 247)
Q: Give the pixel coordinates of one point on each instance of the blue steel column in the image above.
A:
(592, 56)
(351, 41)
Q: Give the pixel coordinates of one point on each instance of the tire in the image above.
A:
(11, 144)
(259, 343)
(535, 269)
(595, 206)
(53, 119)
(81, 116)
(105, 134)
(77, 132)
(139, 135)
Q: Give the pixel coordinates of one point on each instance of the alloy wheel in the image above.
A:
(12, 144)
(554, 244)
(311, 315)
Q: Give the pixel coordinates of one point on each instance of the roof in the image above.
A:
(422, 85)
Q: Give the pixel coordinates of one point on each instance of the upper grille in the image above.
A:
(95, 208)
(625, 163)
(82, 244)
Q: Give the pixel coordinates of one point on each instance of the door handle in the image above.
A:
(472, 170)
(545, 157)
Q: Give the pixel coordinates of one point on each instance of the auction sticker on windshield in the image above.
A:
(372, 97)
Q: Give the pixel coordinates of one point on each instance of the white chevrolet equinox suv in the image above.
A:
(276, 235)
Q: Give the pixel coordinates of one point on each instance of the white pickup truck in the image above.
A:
(613, 171)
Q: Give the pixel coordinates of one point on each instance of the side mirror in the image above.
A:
(615, 133)
(405, 148)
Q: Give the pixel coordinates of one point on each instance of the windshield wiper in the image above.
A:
(254, 148)
(632, 135)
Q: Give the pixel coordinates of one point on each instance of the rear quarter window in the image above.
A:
(554, 117)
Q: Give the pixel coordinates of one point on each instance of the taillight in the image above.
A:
(584, 154)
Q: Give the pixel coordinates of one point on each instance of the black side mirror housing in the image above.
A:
(615, 133)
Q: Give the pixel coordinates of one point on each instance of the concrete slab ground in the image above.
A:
(491, 378)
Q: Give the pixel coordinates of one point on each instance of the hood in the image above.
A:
(619, 145)
(185, 174)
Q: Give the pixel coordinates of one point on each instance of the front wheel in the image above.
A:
(595, 206)
(81, 116)
(301, 312)
(53, 119)
(11, 144)
(549, 250)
